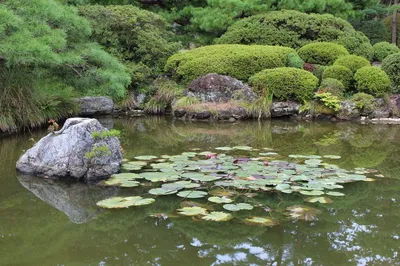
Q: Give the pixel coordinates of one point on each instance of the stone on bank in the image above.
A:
(74, 152)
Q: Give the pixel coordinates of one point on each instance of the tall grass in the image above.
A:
(26, 103)
(260, 108)
(166, 92)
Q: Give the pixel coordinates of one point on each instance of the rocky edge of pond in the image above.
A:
(74, 152)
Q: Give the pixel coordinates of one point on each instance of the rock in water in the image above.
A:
(74, 152)
(93, 105)
(218, 89)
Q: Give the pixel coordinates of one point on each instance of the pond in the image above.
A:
(50, 222)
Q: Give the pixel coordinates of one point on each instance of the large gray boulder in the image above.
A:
(219, 89)
(289, 108)
(74, 152)
(96, 105)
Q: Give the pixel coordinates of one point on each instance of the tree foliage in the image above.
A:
(138, 38)
(45, 52)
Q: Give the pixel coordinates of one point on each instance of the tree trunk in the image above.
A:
(394, 25)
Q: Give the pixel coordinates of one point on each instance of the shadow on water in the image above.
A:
(50, 222)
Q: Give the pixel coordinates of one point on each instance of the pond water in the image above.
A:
(49, 222)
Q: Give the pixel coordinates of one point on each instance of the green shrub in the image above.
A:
(294, 60)
(372, 80)
(341, 73)
(139, 38)
(364, 102)
(285, 83)
(352, 62)
(391, 65)
(375, 30)
(295, 29)
(328, 100)
(333, 86)
(388, 22)
(383, 49)
(322, 53)
(237, 61)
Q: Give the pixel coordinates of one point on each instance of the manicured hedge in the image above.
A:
(295, 29)
(285, 83)
(294, 60)
(383, 49)
(352, 62)
(391, 65)
(334, 86)
(322, 53)
(341, 73)
(372, 80)
(237, 61)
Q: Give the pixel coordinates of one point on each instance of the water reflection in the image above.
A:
(77, 200)
(361, 228)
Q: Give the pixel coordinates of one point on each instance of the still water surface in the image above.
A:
(48, 222)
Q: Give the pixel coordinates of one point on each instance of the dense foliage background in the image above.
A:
(54, 50)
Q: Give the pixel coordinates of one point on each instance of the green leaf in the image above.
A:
(312, 193)
(237, 207)
(264, 221)
(218, 217)
(146, 157)
(192, 194)
(220, 200)
(334, 157)
(224, 148)
(192, 211)
(120, 202)
(300, 212)
(162, 191)
(335, 194)
(323, 200)
(243, 148)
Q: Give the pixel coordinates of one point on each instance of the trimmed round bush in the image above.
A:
(383, 49)
(391, 65)
(294, 60)
(322, 53)
(285, 83)
(334, 86)
(295, 29)
(341, 73)
(372, 80)
(237, 61)
(352, 62)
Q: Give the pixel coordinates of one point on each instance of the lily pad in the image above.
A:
(126, 176)
(264, 221)
(131, 167)
(224, 148)
(334, 157)
(180, 185)
(268, 154)
(192, 211)
(129, 183)
(162, 191)
(335, 194)
(323, 200)
(222, 192)
(120, 202)
(312, 192)
(243, 148)
(192, 194)
(146, 157)
(237, 207)
(300, 212)
(218, 217)
(220, 200)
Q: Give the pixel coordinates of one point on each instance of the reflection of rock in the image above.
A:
(95, 105)
(76, 200)
(64, 153)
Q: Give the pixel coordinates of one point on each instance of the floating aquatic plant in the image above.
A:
(192, 211)
(120, 202)
(218, 217)
(263, 221)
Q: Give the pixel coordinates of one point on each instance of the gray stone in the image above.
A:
(348, 111)
(89, 106)
(218, 89)
(64, 153)
(279, 109)
(75, 199)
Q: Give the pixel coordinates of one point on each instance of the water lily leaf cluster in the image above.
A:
(231, 179)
